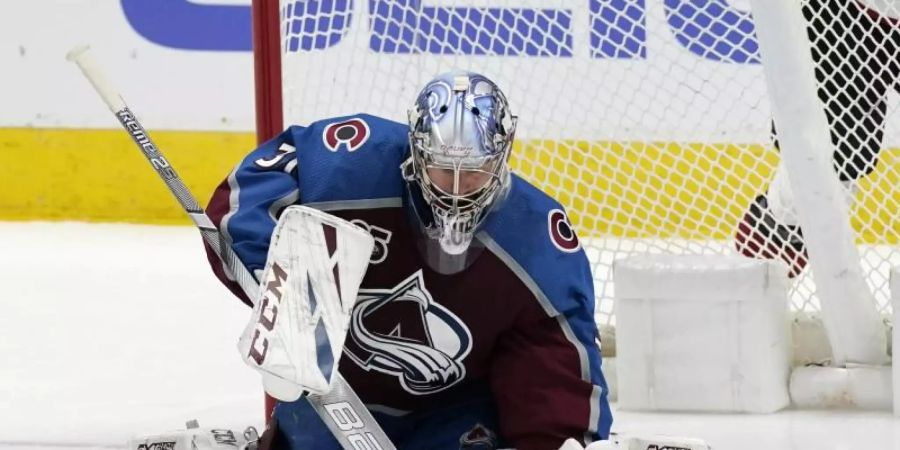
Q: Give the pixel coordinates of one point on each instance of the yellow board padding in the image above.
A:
(689, 191)
(101, 176)
(614, 189)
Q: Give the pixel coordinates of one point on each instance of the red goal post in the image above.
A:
(267, 75)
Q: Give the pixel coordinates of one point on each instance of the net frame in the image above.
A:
(646, 158)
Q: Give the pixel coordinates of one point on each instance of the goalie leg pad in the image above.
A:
(196, 438)
(643, 442)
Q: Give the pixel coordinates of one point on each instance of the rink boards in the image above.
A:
(615, 189)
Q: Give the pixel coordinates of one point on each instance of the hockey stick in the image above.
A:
(341, 410)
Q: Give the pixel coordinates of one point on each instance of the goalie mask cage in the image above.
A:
(649, 120)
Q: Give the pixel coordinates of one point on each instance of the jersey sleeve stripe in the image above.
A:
(366, 203)
(218, 208)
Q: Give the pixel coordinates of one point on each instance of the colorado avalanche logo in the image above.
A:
(353, 133)
(403, 332)
(561, 233)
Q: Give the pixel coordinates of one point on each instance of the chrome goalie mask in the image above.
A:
(461, 133)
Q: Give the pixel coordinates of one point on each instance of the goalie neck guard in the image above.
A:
(460, 132)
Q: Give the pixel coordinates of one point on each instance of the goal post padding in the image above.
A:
(848, 308)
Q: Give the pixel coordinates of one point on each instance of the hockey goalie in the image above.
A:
(473, 326)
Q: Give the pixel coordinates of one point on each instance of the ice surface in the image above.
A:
(111, 330)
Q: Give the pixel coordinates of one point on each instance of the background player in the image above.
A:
(855, 51)
(475, 321)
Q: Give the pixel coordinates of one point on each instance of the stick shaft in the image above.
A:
(341, 409)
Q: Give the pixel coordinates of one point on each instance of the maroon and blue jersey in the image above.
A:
(508, 346)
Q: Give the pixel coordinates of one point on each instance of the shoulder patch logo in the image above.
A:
(561, 233)
(352, 133)
(403, 332)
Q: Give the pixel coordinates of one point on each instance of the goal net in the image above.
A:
(649, 120)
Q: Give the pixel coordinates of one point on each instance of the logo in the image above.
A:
(456, 149)
(382, 238)
(140, 137)
(561, 233)
(352, 133)
(479, 437)
(268, 313)
(714, 30)
(224, 437)
(157, 446)
(403, 332)
(189, 25)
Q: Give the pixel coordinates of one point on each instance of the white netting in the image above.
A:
(856, 50)
(649, 120)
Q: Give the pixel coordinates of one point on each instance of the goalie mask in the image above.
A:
(460, 132)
